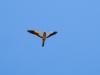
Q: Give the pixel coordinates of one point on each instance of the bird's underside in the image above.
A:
(43, 35)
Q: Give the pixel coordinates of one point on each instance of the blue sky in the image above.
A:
(75, 50)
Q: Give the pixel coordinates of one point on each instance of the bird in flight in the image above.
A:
(43, 35)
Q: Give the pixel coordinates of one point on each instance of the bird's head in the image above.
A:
(44, 33)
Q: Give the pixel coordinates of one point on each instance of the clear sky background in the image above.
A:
(75, 50)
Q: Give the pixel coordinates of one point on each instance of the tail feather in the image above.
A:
(43, 43)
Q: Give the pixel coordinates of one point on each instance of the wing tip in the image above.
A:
(28, 30)
(55, 32)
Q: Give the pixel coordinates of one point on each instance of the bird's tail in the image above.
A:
(43, 41)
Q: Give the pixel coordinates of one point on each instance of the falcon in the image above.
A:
(43, 35)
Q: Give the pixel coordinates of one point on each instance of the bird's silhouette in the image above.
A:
(43, 35)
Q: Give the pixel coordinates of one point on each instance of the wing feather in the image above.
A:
(35, 33)
(51, 34)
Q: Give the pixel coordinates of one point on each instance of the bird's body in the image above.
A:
(44, 36)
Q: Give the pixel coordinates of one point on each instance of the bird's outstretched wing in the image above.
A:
(35, 33)
(51, 34)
